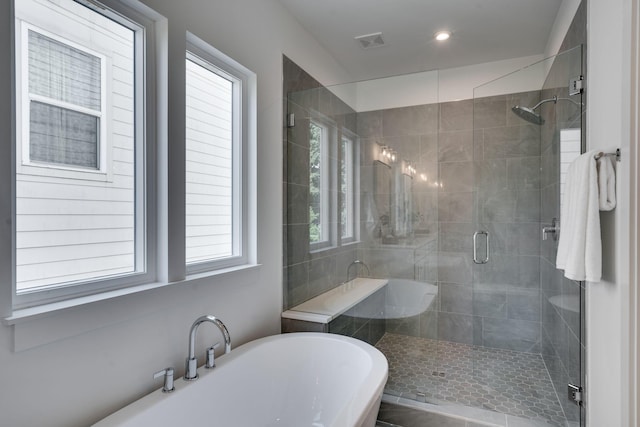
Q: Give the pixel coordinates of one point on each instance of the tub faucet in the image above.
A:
(191, 371)
(356, 262)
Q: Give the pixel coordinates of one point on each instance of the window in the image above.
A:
(319, 222)
(333, 184)
(219, 94)
(80, 177)
(86, 156)
(348, 181)
(65, 86)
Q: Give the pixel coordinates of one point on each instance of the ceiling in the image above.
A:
(482, 31)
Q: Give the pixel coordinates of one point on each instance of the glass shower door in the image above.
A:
(527, 316)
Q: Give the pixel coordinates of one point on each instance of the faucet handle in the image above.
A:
(211, 357)
(168, 379)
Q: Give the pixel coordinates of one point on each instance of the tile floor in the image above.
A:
(509, 382)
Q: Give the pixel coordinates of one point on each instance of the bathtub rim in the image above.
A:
(375, 380)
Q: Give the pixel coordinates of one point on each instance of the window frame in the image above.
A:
(244, 108)
(145, 250)
(328, 192)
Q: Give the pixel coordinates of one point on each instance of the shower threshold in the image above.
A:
(480, 384)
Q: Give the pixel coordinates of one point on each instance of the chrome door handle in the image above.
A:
(475, 247)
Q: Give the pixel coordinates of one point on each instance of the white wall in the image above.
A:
(451, 84)
(103, 354)
(608, 124)
(566, 12)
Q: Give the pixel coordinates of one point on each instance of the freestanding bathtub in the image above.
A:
(291, 380)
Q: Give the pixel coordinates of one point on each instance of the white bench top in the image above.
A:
(329, 305)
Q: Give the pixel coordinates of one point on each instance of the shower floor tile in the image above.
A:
(443, 372)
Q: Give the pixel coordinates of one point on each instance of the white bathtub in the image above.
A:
(291, 380)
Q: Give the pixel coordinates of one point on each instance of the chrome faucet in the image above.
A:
(191, 371)
(356, 262)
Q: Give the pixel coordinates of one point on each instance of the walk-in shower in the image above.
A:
(501, 340)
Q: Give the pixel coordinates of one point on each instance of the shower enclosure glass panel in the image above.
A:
(526, 315)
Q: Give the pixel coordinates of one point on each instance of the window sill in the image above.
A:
(48, 323)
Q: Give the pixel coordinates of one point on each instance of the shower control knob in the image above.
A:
(554, 228)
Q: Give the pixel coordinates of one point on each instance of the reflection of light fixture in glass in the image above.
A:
(388, 154)
(423, 177)
(409, 168)
(385, 154)
(385, 151)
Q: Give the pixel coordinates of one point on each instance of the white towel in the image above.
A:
(606, 184)
(580, 246)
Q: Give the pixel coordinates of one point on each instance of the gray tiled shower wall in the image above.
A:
(486, 179)
(307, 274)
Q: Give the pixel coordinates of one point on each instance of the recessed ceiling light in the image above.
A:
(442, 35)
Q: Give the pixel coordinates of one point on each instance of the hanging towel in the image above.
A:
(606, 183)
(580, 246)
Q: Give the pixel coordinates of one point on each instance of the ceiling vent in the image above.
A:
(369, 41)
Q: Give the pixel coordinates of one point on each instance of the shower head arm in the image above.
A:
(544, 101)
(555, 99)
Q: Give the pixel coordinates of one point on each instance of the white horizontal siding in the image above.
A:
(208, 252)
(71, 223)
(36, 256)
(570, 147)
(25, 239)
(78, 229)
(197, 231)
(209, 162)
(209, 140)
(75, 22)
(26, 206)
(213, 218)
(77, 269)
(86, 190)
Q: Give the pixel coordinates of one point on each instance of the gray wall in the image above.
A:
(307, 274)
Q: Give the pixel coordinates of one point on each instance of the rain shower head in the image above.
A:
(529, 114)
